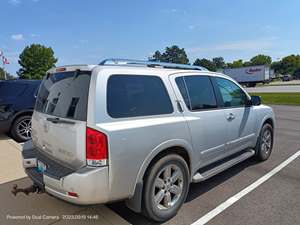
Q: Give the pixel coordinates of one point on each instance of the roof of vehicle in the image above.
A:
(139, 65)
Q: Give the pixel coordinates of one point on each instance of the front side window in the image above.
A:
(232, 95)
(197, 92)
(137, 95)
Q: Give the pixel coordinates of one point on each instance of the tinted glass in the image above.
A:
(64, 95)
(131, 95)
(232, 94)
(200, 92)
(181, 85)
(11, 89)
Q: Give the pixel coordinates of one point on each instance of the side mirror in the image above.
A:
(255, 100)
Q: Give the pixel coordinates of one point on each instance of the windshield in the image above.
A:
(11, 89)
(64, 95)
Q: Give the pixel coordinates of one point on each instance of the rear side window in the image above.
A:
(197, 92)
(64, 95)
(232, 95)
(137, 95)
(11, 89)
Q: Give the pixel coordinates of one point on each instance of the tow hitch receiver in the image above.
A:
(31, 189)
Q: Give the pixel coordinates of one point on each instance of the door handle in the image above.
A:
(230, 116)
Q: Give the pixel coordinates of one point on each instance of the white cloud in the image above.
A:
(243, 45)
(168, 11)
(14, 2)
(191, 27)
(83, 41)
(35, 35)
(17, 37)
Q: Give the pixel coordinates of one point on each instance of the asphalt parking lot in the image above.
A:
(276, 201)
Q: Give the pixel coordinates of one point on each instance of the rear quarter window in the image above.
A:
(137, 95)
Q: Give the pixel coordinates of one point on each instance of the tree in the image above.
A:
(35, 60)
(261, 60)
(236, 64)
(219, 62)
(172, 54)
(2, 76)
(288, 65)
(247, 63)
(208, 64)
(8, 76)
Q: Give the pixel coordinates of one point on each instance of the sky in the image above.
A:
(88, 31)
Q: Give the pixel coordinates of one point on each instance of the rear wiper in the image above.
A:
(58, 120)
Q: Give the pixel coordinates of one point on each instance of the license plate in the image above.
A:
(41, 167)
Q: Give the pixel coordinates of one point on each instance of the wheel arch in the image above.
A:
(19, 114)
(180, 147)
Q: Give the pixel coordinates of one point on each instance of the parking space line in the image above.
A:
(213, 213)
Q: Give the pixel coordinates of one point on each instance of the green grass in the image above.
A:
(280, 98)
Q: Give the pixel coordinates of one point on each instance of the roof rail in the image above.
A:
(154, 64)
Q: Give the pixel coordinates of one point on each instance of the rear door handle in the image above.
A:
(230, 116)
(58, 120)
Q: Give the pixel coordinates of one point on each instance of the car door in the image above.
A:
(206, 121)
(239, 116)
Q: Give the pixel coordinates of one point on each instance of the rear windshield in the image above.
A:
(65, 95)
(11, 89)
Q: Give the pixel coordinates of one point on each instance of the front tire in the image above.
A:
(264, 144)
(166, 187)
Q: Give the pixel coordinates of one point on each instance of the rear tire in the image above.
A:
(166, 188)
(264, 144)
(21, 128)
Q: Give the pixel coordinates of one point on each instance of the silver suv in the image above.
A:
(141, 132)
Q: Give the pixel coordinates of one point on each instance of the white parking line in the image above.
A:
(210, 215)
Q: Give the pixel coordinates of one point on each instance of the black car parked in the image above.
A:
(17, 100)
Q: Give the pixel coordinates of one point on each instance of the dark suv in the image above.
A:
(17, 99)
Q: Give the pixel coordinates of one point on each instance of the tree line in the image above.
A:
(287, 65)
(36, 59)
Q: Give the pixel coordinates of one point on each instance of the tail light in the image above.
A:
(96, 148)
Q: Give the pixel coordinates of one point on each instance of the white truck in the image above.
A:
(250, 75)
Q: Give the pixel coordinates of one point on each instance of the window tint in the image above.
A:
(137, 95)
(232, 94)
(198, 93)
(181, 86)
(64, 95)
(11, 89)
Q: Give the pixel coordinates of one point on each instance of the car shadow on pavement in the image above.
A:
(195, 191)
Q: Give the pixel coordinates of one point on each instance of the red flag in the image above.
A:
(5, 60)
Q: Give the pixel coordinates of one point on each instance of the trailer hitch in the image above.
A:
(31, 189)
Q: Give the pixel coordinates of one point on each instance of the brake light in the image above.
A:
(96, 148)
(73, 194)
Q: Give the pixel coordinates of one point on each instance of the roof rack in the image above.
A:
(153, 64)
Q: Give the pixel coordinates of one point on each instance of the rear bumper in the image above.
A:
(90, 184)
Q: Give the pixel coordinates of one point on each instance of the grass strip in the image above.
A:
(280, 98)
